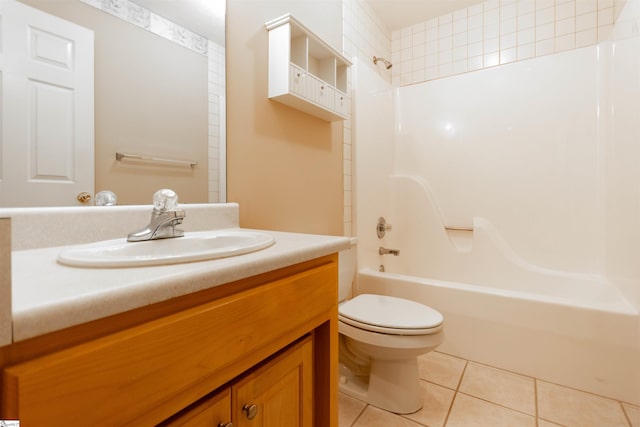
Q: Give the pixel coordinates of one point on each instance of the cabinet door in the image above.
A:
(212, 412)
(279, 394)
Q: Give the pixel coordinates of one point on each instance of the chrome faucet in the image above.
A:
(164, 218)
(385, 251)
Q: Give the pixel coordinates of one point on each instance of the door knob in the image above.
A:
(83, 197)
(250, 411)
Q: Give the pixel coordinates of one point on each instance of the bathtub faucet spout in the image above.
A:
(385, 251)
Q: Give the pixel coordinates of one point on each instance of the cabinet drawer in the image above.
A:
(145, 374)
(341, 103)
(327, 95)
(312, 88)
(319, 92)
(297, 80)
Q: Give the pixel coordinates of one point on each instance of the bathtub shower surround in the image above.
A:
(498, 32)
(516, 146)
(513, 194)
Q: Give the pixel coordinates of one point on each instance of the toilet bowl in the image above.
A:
(381, 338)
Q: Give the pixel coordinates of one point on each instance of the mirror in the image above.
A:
(159, 94)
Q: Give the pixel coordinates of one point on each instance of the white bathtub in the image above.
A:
(588, 342)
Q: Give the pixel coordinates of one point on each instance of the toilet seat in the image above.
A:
(390, 315)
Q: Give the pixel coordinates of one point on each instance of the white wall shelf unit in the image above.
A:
(305, 72)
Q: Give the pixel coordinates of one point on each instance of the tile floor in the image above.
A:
(459, 393)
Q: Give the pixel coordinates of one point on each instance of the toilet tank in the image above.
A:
(347, 262)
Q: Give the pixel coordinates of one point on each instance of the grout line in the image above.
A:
(501, 369)
(446, 419)
(464, 370)
(498, 404)
(611, 399)
(455, 394)
(438, 385)
(535, 400)
(359, 415)
(624, 411)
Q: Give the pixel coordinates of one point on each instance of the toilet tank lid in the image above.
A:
(390, 312)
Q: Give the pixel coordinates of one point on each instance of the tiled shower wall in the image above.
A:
(497, 32)
(364, 36)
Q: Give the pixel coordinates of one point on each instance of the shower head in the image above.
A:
(386, 63)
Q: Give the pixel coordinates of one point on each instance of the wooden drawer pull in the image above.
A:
(250, 411)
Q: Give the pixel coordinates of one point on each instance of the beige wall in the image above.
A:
(284, 167)
(150, 98)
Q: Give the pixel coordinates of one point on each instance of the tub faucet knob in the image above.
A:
(382, 227)
(385, 251)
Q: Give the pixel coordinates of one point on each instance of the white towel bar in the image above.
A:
(192, 163)
(449, 228)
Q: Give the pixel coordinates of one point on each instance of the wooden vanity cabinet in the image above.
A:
(270, 341)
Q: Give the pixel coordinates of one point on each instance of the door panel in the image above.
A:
(51, 142)
(47, 132)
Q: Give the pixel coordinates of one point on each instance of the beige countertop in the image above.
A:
(46, 296)
(49, 296)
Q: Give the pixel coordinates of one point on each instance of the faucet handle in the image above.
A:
(106, 198)
(382, 227)
(165, 200)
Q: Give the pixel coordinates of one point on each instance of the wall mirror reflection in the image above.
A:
(119, 95)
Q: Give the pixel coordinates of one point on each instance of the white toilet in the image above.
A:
(381, 338)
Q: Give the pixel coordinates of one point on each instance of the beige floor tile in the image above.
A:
(576, 408)
(441, 369)
(467, 411)
(437, 401)
(633, 413)
(501, 387)
(348, 410)
(374, 417)
(544, 423)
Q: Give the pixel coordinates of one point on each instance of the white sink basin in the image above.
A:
(194, 246)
